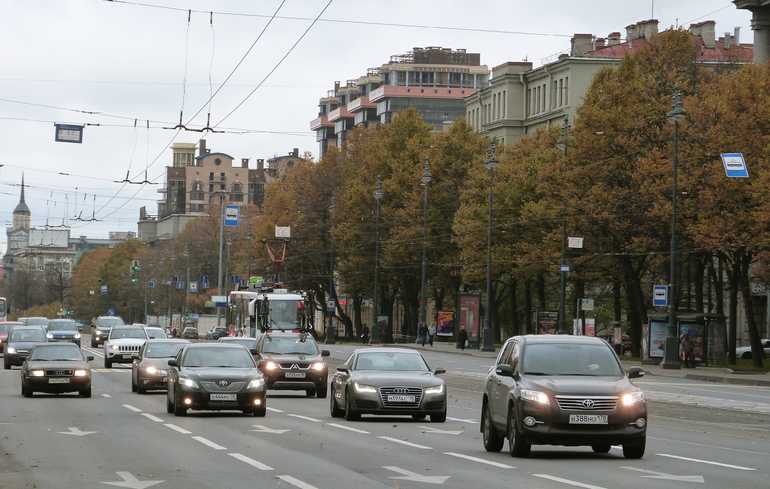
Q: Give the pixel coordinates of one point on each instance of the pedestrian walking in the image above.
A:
(431, 333)
(422, 332)
(365, 334)
(687, 348)
(462, 337)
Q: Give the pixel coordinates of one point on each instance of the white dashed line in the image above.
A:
(152, 418)
(404, 442)
(296, 482)
(462, 420)
(208, 443)
(567, 481)
(106, 396)
(709, 462)
(349, 428)
(274, 410)
(250, 461)
(178, 429)
(306, 418)
(132, 408)
(480, 460)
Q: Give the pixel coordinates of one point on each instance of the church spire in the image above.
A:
(22, 209)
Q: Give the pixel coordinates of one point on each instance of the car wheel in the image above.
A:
(418, 417)
(179, 409)
(140, 390)
(493, 440)
(601, 447)
(350, 413)
(259, 412)
(310, 392)
(438, 418)
(518, 446)
(320, 391)
(169, 405)
(334, 410)
(635, 449)
(86, 392)
(26, 391)
(107, 363)
(6, 365)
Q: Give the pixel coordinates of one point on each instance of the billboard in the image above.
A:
(445, 321)
(469, 314)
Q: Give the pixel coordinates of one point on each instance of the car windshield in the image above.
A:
(570, 359)
(119, 333)
(57, 353)
(163, 350)
(218, 357)
(32, 334)
(290, 345)
(391, 361)
(155, 333)
(247, 343)
(58, 325)
(35, 321)
(284, 314)
(108, 322)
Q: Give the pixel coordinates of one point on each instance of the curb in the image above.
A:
(728, 380)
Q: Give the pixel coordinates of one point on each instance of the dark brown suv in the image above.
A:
(292, 361)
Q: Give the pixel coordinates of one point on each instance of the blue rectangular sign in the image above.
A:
(232, 215)
(660, 296)
(735, 165)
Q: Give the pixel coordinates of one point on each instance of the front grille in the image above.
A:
(58, 373)
(129, 348)
(288, 365)
(579, 403)
(406, 391)
(212, 386)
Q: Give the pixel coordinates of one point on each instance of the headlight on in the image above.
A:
(98, 333)
(37, 373)
(436, 389)
(632, 398)
(77, 336)
(11, 349)
(81, 373)
(364, 389)
(270, 365)
(535, 396)
(114, 347)
(151, 370)
(49, 336)
(256, 383)
(188, 382)
(318, 366)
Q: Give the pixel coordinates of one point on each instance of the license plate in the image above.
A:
(223, 397)
(59, 380)
(401, 398)
(127, 356)
(295, 375)
(587, 419)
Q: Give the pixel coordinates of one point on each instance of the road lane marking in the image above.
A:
(106, 396)
(250, 461)
(306, 418)
(152, 418)
(479, 460)
(430, 429)
(651, 474)
(131, 482)
(274, 410)
(709, 462)
(264, 429)
(462, 420)
(208, 443)
(696, 444)
(296, 482)
(132, 408)
(567, 481)
(408, 475)
(75, 431)
(349, 428)
(178, 429)
(404, 442)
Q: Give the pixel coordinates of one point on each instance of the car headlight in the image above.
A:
(318, 366)
(256, 383)
(77, 336)
(81, 372)
(151, 370)
(49, 335)
(535, 396)
(632, 398)
(37, 373)
(188, 382)
(270, 365)
(11, 349)
(114, 347)
(364, 389)
(436, 389)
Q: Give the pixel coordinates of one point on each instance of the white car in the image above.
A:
(123, 345)
(745, 351)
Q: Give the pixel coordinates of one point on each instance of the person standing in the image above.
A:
(423, 333)
(686, 347)
(431, 333)
(462, 337)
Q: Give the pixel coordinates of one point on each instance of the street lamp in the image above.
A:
(424, 181)
(490, 163)
(330, 311)
(378, 195)
(671, 359)
(563, 267)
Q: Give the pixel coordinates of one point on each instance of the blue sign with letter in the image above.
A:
(660, 296)
(204, 281)
(151, 284)
(232, 215)
(735, 165)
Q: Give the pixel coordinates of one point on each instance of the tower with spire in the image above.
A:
(21, 214)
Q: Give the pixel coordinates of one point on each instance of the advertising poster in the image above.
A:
(445, 323)
(469, 314)
(546, 322)
(590, 328)
(658, 334)
(697, 337)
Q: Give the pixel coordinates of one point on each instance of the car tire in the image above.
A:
(310, 392)
(518, 446)
(179, 409)
(26, 391)
(107, 363)
(334, 410)
(140, 390)
(601, 447)
(438, 417)
(259, 412)
(350, 413)
(635, 449)
(493, 439)
(85, 392)
(321, 391)
(418, 417)
(6, 365)
(169, 405)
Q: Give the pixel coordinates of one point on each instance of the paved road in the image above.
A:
(133, 442)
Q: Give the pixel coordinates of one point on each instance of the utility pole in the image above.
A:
(330, 333)
(424, 181)
(563, 267)
(490, 164)
(378, 195)
(221, 245)
(186, 283)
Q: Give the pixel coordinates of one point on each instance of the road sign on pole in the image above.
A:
(68, 133)
(575, 242)
(660, 296)
(151, 284)
(586, 304)
(283, 232)
(232, 215)
(735, 165)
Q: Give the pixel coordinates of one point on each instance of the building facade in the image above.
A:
(432, 80)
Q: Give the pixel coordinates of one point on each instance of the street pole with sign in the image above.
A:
(424, 181)
(490, 163)
(378, 195)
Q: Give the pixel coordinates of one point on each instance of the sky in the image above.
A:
(131, 62)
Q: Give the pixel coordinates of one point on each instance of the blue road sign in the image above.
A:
(104, 290)
(660, 296)
(735, 165)
(232, 215)
(564, 268)
(235, 279)
(180, 284)
(193, 286)
(204, 281)
(151, 284)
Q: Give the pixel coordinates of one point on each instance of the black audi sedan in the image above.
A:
(292, 361)
(56, 368)
(21, 341)
(217, 377)
(391, 381)
(562, 390)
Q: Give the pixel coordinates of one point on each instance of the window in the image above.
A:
(561, 92)
(499, 106)
(237, 193)
(211, 176)
(505, 354)
(566, 90)
(554, 88)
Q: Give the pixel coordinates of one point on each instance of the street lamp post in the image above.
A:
(490, 164)
(220, 251)
(378, 195)
(671, 359)
(563, 267)
(425, 182)
(330, 333)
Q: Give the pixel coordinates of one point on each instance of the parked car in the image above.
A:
(744, 352)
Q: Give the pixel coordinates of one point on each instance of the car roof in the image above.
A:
(287, 333)
(236, 338)
(57, 343)
(561, 338)
(385, 350)
(11, 323)
(31, 326)
(212, 345)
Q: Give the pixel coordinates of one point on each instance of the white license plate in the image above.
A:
(401, 398)
(587, 419)
(59, 380)
(295, 375)
(223, 397)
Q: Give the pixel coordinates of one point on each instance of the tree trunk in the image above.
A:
(634, 303)
(515, 320)
(357, 320)
(757, 352)
(530, 329)
(700, 266)
(541, 291)
(732, 325)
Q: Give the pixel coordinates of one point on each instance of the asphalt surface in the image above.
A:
(120, 439)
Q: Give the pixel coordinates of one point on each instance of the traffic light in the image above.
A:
(134, 271)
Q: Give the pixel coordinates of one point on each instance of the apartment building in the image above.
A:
(432, 80)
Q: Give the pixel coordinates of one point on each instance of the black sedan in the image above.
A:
(208, 376)
(21, 341)
(392, 381)
(55, 368)
(149, 371)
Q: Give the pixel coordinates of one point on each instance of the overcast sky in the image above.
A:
(129, 61)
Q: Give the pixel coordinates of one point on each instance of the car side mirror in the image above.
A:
(504, 371)
(90, 358)
(439, 371)
(635, 372)
(173, 363)
(253, 351)
(344, 370)
(325, 353)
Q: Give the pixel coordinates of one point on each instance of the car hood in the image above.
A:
(63, 334)
(25, 345)
(408, 379)
(569, 385)
(47, 364)
(127, 341)
(214, 373)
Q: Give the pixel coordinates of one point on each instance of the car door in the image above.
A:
(341, 379)
(136, 363)
(495, 387)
